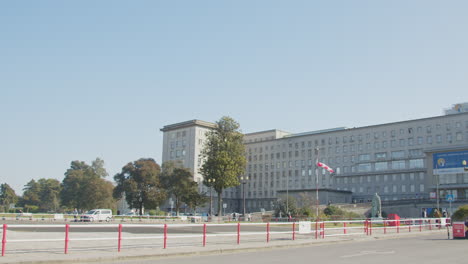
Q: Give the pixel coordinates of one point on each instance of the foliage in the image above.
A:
(194, 200)
(85, 188)
(7, 196)
(336, 213)
(333, 210)
(285, 205)
(224, 157)
(461, 214)
(178, 182)
(140, 182)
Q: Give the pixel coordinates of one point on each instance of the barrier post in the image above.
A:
(384, 227)
(67, 230)
(204, 234)
(316, 228)
(238, 233)
(4, 241)
(420, 226)
(430, 225)
(409, 226)
(294, 231)
(165, 236)
(366, 228)
(268, 232)
(119, 239)
(323, 230)
(370, 226)
(397, 226)
(344, 228)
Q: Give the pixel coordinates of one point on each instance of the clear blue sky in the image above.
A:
(87, 79)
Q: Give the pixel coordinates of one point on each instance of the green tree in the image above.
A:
(84, 186)
(461, 214)
(285, 205)
(194, 200)
(31, 194)
(178, 183)
(140, 182)
(49, 194)
(224, 157)
(7, 196)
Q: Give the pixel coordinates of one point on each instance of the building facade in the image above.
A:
(394, 160)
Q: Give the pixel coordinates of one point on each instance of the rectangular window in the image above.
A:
(420, 140)
(381, 166)
(398, 165)
(364, 157)
(416, 163)
(381, 156)
(429, 139)
(364, 167)
(402, 142)
(398, 154)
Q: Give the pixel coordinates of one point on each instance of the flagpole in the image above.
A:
(316, 183)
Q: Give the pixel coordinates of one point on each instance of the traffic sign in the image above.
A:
(449, 198)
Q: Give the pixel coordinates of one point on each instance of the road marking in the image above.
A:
(363, 253)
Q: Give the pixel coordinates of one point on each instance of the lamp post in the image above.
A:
(464, 165)
(244, 180)
(210, 183)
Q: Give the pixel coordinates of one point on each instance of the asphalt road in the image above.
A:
(425, 249)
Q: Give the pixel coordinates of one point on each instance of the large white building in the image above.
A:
(395, 160)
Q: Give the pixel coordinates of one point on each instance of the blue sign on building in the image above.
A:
(449, 162)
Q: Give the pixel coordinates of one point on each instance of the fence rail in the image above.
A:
(202, 234)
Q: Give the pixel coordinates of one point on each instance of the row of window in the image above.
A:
(359, 147)
(362, 167)
(377, 135)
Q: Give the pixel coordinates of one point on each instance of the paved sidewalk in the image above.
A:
(106, 251)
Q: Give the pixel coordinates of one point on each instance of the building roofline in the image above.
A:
(371, 126)
(266, 131)
(194, 122)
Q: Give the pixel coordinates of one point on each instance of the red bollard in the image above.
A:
(344, 228)
(5, 226)
(420, 226)
(430, 225)
(67, 230)
(238, 233)
(294, 231)
(268, 232)
(323, 230)
(385, 227)
(316, 229)
(119, 238)
(366, 229)
(204, 234)
(165, 236)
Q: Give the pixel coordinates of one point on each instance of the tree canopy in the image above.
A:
(178, 182)
(84, 186)
(7, 196)
(224, 157)
(141, 184)
(44, 195)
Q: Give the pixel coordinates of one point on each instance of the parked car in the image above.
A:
(97, 215)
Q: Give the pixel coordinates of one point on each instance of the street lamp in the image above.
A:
(464, 165)
(210, 183)
(244, 181)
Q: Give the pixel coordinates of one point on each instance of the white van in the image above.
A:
(97, 215)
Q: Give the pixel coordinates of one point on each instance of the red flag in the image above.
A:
(325, 166)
